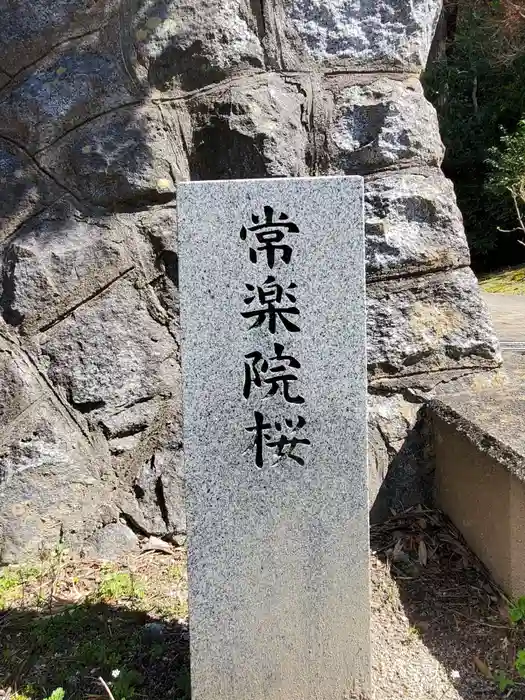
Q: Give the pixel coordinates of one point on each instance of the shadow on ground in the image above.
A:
(66, 623)
(140, 656)
(460, 614)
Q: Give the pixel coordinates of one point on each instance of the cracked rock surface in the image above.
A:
(104, 107)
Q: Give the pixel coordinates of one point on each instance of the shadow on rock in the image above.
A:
(409, 478)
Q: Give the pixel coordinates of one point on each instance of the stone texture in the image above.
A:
(399, 467)
(259, 124)
(108, 360)
(365, 33)
(111, 541)
(49, 453)
(29, 30)
(50, 487)
(413, 225)
(184, 45)
(153, 463)
(20, 387)
(104, 107)
(111, 352)
(170, 487)
(257, 557)
(56, 261)
(49, 476)
(401, 462)
(62, 268)
(492, 422)
(479, 451)
(26, 190)
(130, 157)
(383, 124)
(392, 416)
(428, 323)
(80, 80)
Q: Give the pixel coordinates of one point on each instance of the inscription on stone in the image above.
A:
(273, 319)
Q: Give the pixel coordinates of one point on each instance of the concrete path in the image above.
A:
(508, 316)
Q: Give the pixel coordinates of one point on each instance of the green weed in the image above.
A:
(519, 663)
(413, 634)
(177, 573)
(503, 681)
(12, 578)
(517, 611)
(509, 281)
(501, 678)
(72, 622)
(118, 586)
(126, 683)
(57, 694)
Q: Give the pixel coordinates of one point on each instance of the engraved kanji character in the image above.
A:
(276, 376)
(269, 234)
(285, 444)
(268, 296)
(259, 429)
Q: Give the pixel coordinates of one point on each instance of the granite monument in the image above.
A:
(272, 283)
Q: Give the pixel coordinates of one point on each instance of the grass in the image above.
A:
(64, 623)
(508, 281)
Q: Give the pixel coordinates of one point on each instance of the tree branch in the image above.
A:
(517, 207)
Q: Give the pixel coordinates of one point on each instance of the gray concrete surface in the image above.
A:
(508, 316)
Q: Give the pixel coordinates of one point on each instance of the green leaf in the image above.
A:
(517, 611)
(58, 694)
(503, 681)
(519, 663)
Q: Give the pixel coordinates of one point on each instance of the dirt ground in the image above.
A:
(440, 627)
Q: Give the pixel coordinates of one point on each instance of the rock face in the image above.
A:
(104, 106)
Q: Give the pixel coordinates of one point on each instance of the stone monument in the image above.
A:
(272, 280)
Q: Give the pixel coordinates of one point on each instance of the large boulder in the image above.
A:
(104, 107)
(78, 81)
(131, 157)
(413, 225)
(383, 124)
(183, 45)
(366, 34)
(429, 323)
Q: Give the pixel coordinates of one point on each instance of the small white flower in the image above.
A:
(454, 675)
(115, 673)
